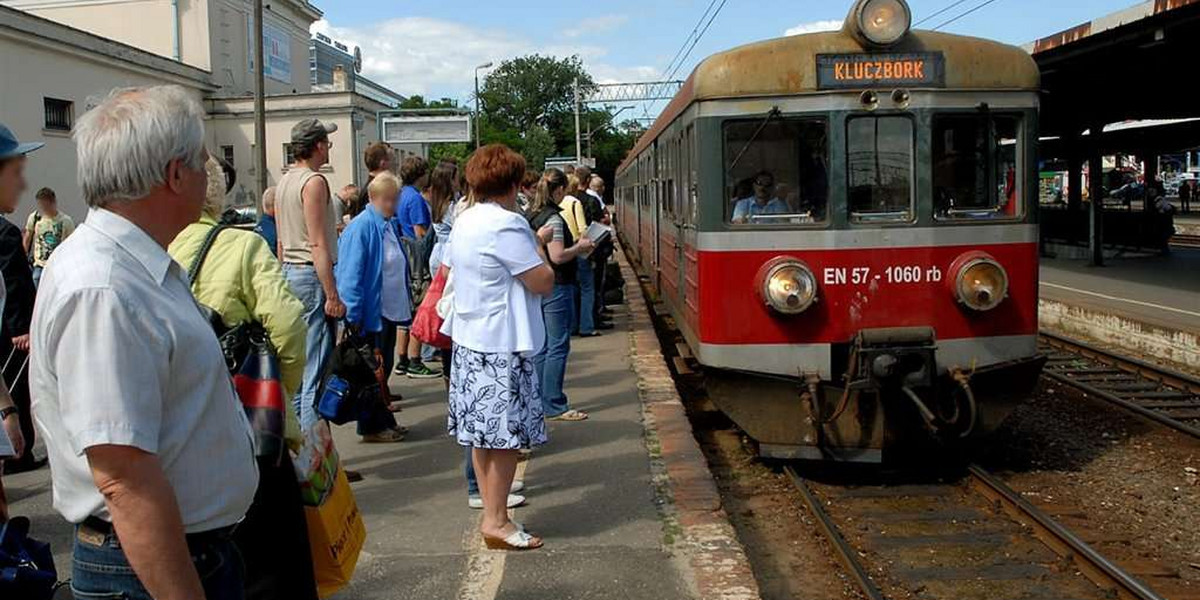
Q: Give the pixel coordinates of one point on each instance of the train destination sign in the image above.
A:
(856, 71)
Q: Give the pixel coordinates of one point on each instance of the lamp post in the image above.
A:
(478, 113)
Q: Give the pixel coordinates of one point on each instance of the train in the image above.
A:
(843, 227)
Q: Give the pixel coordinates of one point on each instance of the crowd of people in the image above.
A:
(152, 456)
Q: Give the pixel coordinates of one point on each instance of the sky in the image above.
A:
(431, 48)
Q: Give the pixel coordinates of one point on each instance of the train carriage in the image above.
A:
(843, 226)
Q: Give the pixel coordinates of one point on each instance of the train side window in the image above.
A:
(976, 172)
(879, 165)
(776, 171)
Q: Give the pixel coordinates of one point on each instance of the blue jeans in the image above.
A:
(472, 481)
(551, 362)
(37, 276)
(302, 279)
(101, 572)
(585, 315)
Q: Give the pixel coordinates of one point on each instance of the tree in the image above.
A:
(437, 152)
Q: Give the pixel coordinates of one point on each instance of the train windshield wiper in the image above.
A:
(773, 113)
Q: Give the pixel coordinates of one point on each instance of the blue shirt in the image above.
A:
(748, 207)
(394, 302)
(266, 228)
(413, 210)
(359, 270)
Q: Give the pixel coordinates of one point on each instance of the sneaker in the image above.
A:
(514, 500)
(517, 486)
(418, 370)
(401, 368)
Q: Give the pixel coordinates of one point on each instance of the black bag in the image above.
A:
(26, 565)
(353, 379)
(254, 365)
(419, 252)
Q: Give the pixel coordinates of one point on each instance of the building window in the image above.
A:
(227, 155)
(58, 114)
(288, 158)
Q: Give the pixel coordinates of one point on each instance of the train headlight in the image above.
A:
(881, 22)
(980, 282)
(788, 286)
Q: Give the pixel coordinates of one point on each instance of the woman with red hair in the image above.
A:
(499, 275)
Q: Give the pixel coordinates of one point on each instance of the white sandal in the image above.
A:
(518, 540)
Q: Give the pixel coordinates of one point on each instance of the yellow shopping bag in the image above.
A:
(336, 535)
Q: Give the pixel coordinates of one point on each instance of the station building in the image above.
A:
(66, 54)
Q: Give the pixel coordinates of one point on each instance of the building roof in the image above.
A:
(788, 66)
(64, 38)
(1109, 22)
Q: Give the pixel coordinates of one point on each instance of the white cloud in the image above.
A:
(596, 25)
(418, 55)
(814, 27)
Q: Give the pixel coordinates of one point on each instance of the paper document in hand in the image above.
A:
(597, 231)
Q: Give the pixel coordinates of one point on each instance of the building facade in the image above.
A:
(327, 55)
(67, 51)
(63, 72)
(213, 35)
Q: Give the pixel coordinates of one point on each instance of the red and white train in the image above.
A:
(843, 226)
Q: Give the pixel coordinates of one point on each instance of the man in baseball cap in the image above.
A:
(12, 184)
(308, 132)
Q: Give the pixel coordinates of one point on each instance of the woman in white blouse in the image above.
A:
(500, 272)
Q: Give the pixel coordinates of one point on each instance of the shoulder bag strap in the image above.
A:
(198, 262)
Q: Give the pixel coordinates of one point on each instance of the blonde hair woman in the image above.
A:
(242, 281)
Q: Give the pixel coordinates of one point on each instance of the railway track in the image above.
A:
(1168, 397)
(1185, 241)
(976, 538)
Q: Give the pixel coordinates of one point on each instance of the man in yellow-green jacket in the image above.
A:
(243, 281)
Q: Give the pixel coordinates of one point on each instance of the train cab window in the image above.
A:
(879, 165)
(976, 173)
(776, 171)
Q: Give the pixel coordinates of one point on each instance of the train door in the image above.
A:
(687, 228)
(655, 215)
(678, 202)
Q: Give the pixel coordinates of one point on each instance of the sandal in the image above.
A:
(570, 415)
(519, 540)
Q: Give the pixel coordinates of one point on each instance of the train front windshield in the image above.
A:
(776, 171)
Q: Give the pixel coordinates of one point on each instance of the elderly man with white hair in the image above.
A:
(150, 451)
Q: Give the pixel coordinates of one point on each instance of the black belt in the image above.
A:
(300, 264)
(221, 534)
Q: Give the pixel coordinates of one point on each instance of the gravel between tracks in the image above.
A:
(1131, 485)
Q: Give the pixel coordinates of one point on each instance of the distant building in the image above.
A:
(67, 52)
(326, 55)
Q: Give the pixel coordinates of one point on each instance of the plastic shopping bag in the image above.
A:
(316, 465)
(336, 535)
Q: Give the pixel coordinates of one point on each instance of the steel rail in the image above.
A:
(1164, 376)
(846, 554)
(1102, 571)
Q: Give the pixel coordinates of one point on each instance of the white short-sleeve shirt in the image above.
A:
(122, 356)
(493, 312)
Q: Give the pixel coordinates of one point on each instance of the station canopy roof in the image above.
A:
(1136, 64)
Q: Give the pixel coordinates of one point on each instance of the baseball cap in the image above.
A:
(10, 147)
(311, 131)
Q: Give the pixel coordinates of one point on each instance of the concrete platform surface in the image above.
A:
(1163, 291)
(589, 491)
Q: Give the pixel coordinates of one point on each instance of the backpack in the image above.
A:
(419, 251)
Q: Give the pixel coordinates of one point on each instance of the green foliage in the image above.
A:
(458, 151)
(418, 101)
(528, 103)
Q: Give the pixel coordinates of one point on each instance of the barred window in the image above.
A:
(58, 114)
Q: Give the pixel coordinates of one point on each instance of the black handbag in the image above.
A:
(254, 365)
(26, 565)
(353, 379)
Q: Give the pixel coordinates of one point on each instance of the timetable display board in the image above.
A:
(860, 71)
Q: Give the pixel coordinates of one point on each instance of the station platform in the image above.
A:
(1149, 305)
(592, 495)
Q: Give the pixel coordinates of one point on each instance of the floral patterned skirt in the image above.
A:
(495, 401)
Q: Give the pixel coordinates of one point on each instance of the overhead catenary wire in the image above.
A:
(961, 15)
(684, 45)
(940, 12)
(696, 39)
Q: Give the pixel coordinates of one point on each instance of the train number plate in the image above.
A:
(859, 71)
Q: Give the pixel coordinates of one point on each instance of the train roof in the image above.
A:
(788, 66)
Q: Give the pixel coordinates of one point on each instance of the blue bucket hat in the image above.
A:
(10, 147)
